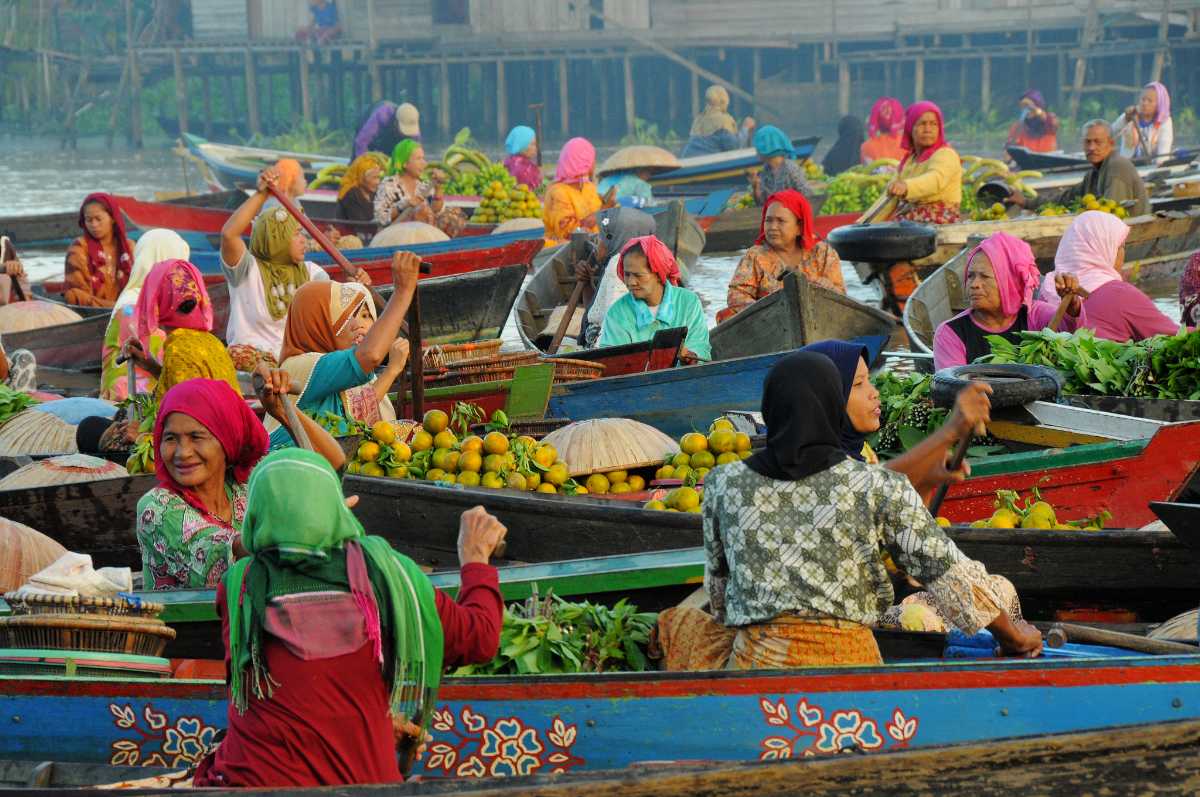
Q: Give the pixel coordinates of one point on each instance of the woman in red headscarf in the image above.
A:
(99, 261)
(929, 184)
(786, 242)
(885, 131)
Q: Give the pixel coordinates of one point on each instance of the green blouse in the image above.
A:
(182, 548)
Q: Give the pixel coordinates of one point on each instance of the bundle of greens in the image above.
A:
(12, 402)
(551, 635)
(908, 412)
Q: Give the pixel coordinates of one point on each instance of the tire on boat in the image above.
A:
(891, 242)
(1012, 384)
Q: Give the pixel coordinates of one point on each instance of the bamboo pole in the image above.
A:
(564, 100)
(181, 97)
(252, 94)
(630, 107)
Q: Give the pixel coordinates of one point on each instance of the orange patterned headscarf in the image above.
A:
(319, 310)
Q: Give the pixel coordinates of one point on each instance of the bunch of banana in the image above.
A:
(330, 175)
(857, 188)
(977, 171)
(141, 457)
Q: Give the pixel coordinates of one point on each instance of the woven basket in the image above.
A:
(453, 353)
(69, 604)
(566, 370)
(134, 635)
(537, 429)
(497, 367)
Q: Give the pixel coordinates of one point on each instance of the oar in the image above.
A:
(1059, 634)
(299, 433)
(537, 116)
(960, 452)
(572, 303)
(8, 251)
(885, 201)
(416, 359)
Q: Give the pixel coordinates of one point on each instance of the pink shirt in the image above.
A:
(524, 171)
(1119, 311)
(949, 350)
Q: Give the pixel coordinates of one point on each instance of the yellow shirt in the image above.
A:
(938, 179)
(566, 206)
(192, 354)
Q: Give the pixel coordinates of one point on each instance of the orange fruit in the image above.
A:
(435, 421)
(472, 442)
(495, 443)
(422, 441)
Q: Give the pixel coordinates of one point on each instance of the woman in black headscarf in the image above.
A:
(617, 227)
(847, 150)
(793, 539)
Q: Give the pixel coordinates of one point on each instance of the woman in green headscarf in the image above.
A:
(404, 196)
(335, 642)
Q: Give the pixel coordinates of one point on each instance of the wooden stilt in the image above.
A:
(305, 97)
(252, 117)
(1160, 54)
(695, 94)
(630, 106)
(444, 98)
(135, 80)
(564, 100)
(501, 101)
(985, 84)
(918, 79)
(206, 84)
(181, 95)
(843, 88)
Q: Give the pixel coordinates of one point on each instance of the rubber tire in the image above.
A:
(1012, 385)
(890, 242)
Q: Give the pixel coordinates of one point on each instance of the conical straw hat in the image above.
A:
(33, 432)
(21, 316)
(23, 552)
(69, 469)
(605, 444)
(408, 233)
(639, 157)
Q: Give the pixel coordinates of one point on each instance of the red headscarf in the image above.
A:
(915, 112)
(658, 255)
(887, 116)
(96, 258)
(798, 205)
(168, 285)
(224, 413)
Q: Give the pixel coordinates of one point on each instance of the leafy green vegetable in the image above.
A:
(12, 402)
(908, 413)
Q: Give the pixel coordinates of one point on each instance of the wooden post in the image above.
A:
(985, 84)
(695, 95)
(181, 96)
(918, 79)
(252, 94)
(135, 80)
(372, 41)
(1160, 55)
(672, 99)
(374, 78)
(564, 101)
(630, 109)
(305, 96)
(843, 88)
(444, 98)
(816, 54)
(501, 101)
(1090, 32)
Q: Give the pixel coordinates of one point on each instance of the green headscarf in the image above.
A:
(400, 155)
(296, 521)
(270, 241)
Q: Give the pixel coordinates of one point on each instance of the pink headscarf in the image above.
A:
(1162, 111)
(575, 161)
(1088, 251)
(915, 112)
(1015, 268)
(887, 116)
(170, 284)
(658, 255)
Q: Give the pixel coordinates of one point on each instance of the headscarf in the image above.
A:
(769, 141)
(152, 248)
(357, 171)
(1162, 111)
(715, 115)
(846, 357)
(96, 259)
(1035, 96)
(400, 155)
(296, 517)
(170, 284)
(911, 116)
(270, 242)
(797, 203)
(658, 256)
(887, 116)
(1015, 268)
(291, 175)
(1037, 125)
(619, 225)
(319, 311)
(222, 411)
(575, 161)
(803, 406)
(847, 150)
(519, 139)
(1189, 292)
(1088, 249)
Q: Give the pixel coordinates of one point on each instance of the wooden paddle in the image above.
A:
(299, 433)
(572, 303)
(876, 212)
(537, 126)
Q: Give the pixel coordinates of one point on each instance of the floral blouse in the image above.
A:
(760, 273)
(181, 548)
(392, 194)
(813, 548)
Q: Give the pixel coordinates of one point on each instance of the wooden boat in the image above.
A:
(737, 229)
(1060, 161)
(587, 722)
(235, 166)
(707, 172)
(454, 309)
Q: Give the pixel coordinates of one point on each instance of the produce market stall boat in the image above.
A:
(722, 169)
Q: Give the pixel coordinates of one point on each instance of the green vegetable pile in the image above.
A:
(551, 635)
(12, 402)
(908, 412)
(1162, 367)
(855, 189)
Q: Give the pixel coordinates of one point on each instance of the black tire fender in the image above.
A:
(1012, 384)
(890, 242)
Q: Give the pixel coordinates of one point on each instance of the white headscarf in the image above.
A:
(152, 248)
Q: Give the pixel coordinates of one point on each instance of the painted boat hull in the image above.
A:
(719, 170)
(578, 723)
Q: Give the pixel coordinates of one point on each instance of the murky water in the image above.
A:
(36, 177)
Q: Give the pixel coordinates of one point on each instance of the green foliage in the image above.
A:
(647, 133)
(908, 413)
(307, 137)
(551, 635)
(12, 402)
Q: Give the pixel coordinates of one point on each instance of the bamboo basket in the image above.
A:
(71, 604)
(566, 370)
(137, 636)
(497, 367)
(535, 428)
(447, 355)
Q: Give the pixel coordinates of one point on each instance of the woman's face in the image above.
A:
(925, 132)
(1148, 104)
(355, 329)
(640, 280)
(863, 406)
(1120, 261)
(370, 180)
(190, 452)
(297, 246)
(97, 221)
(416, 163)
(774, 162)
(781, 227)
(982, 290)
(530, 151)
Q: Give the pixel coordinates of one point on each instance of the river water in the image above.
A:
(37, 177)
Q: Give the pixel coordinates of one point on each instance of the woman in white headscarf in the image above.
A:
(153, 247)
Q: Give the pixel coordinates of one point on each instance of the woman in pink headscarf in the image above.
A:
(885, 131)
(1001, 278)
(929, 184)
(1092, 251)
(1145, 129)
(572, 200)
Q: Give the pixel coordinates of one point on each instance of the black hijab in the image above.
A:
(847, 150)
(803, 406)
(845, 356)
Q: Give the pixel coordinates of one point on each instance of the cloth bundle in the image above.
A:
(72, 575)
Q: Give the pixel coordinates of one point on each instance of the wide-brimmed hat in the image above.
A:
(639, 157)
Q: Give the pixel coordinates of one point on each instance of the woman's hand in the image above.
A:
(361, 277)
(405, 267)
(276, 384)
(268, 178)
(898, 189)
(402, 729)
(14, 269)
(398, 354)
(1131, 113)
(584, 271)
(133, 350)
(478, 535)
(972, 410)
(1069, 290)
(1017, 640)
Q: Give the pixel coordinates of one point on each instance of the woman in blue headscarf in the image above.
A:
(522, 148)
(779, 172)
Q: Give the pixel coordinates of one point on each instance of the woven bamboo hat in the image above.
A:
(518, 225)
(33, 432)
(637, 157)
(606, 444)
(68, 469)
(407, 233)
(21, 316)
(23, 552)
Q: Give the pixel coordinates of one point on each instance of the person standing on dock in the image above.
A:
(385, 126)
(325, 25)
